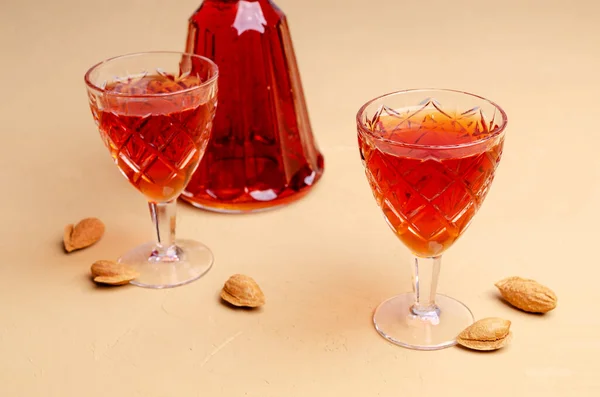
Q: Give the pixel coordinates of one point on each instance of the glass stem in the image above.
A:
(164, 216)
(425, 279)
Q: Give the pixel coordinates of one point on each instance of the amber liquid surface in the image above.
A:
(157, 142)
(430, 194)
(262, 153)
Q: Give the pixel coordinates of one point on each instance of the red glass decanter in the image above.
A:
(262, 153)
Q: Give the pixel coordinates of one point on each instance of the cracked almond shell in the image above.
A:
(489, 333)
(85, 233)
(112, 273)
(241, 290)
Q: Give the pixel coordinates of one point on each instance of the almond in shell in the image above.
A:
(241, 290)
(85, 233)
(490, 333)
(527, 295)
(112, 273)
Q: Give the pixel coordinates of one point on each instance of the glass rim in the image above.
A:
(364, 130)
(96, 66)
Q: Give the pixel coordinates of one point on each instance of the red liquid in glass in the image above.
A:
(262, 152)
(156, 142)
(429, 195)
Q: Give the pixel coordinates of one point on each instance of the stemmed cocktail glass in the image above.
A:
(154, 111)
(430, 156)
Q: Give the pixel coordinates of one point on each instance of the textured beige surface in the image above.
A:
(324, 263)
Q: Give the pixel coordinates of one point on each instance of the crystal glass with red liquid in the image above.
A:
(262, 153)
(154, 112)
(430, 158)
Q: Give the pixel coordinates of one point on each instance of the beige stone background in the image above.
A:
(326, 261)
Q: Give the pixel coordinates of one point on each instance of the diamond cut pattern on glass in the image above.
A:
(430, 214)
(473, 120)
(155, 159)
(430, 180)
(180, 159)
(428, 192)
(134, 151)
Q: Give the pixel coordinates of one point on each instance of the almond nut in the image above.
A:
(112, 273)
(241, 290)
(490, 333)
(527, 295)
(82, 235)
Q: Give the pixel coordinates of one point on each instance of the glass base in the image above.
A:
(231, 209)
(193, 260)
(246, 207)
(395, 321)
